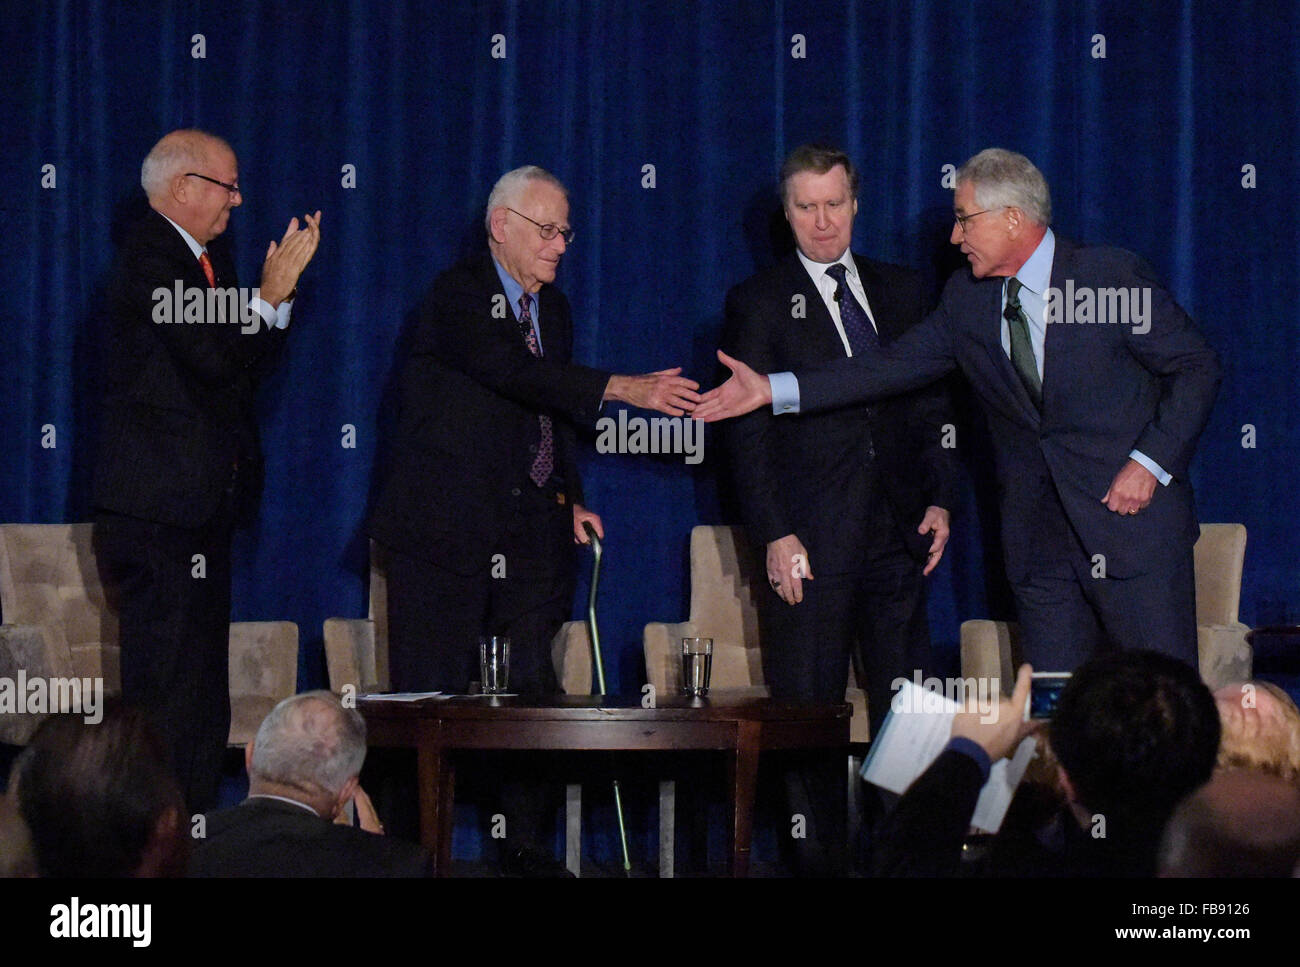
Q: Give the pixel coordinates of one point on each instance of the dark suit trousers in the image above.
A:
(876, 616)
(436, 616)
(174, 631)
(1068, 612)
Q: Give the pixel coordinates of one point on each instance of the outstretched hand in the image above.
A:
(743, 393)
(665, 390)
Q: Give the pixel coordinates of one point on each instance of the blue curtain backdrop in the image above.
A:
(1146, 147)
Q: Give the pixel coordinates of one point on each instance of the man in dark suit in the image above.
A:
(1093, 419)
(179, 461)
(303, 770)
(850, 505)
(483, 503)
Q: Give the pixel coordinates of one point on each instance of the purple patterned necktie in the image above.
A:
(857, 325)
(544, 462)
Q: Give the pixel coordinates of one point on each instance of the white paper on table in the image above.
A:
(911, 739)
(400, 696)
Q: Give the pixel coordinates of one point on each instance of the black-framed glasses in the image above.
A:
(963, 219)
(233, 188)
(549, 230)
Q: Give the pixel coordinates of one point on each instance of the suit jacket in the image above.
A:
(178, 425)
(810, 474)
(267, 837)
(1107, 390)
(471, 393)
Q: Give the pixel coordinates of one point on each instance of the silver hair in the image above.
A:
(511, 186)
(1003, 178)
(173, 155)
(310, 741)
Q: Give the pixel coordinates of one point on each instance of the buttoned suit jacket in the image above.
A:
(470, 396)
(1107, 389)
(810, 475)
(178, 425)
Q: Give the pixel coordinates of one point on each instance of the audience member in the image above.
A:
(100, 800)
(303, 769)
(1243, 822)
(1261, 729)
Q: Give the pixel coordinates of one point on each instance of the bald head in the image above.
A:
(184, 174)
(1240, 823)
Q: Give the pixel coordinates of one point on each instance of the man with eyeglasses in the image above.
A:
(1093, 420)
(483, 502)
(179, 462)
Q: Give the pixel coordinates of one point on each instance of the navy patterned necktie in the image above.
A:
(1022, 348)
(544, 462)
(857, 325)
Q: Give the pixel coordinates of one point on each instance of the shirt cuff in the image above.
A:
(277, 318)
(1151, 465)
(972, 749)
(785, 393)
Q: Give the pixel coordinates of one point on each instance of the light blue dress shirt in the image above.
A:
(514, 291)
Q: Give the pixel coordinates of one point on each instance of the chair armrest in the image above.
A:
(859, 726)
(38, 651)
(350, 655)
(662, 644)
(571, 656)
(263, 671)
(264, 658)
(986, 652)
(1225, 656)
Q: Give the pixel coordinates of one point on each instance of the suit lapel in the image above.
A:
(988, 301)
(888, 323)
(1063, 267)
(820, 337)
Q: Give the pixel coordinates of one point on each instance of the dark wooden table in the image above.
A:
(740, 727)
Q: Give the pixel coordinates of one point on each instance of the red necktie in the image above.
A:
(207, 269)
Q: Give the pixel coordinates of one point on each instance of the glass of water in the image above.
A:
(494, 664)
(697, 664)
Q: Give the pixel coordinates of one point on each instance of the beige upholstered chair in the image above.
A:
(356, 649)
(991, 648)
(58, 624)
(724, 576)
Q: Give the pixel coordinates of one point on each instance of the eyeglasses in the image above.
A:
(233, 188)
(549, 230)
(963, 219)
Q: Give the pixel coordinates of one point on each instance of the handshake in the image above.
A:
(668, 391)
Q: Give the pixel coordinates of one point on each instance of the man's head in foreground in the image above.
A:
(819, 192)
(100, 800)
(1001, 208)
(192, 177)
(308, 749)
(1243, 822)
(528, 225)
(1134, 732)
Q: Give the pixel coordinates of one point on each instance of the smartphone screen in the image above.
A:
(1044, 693)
